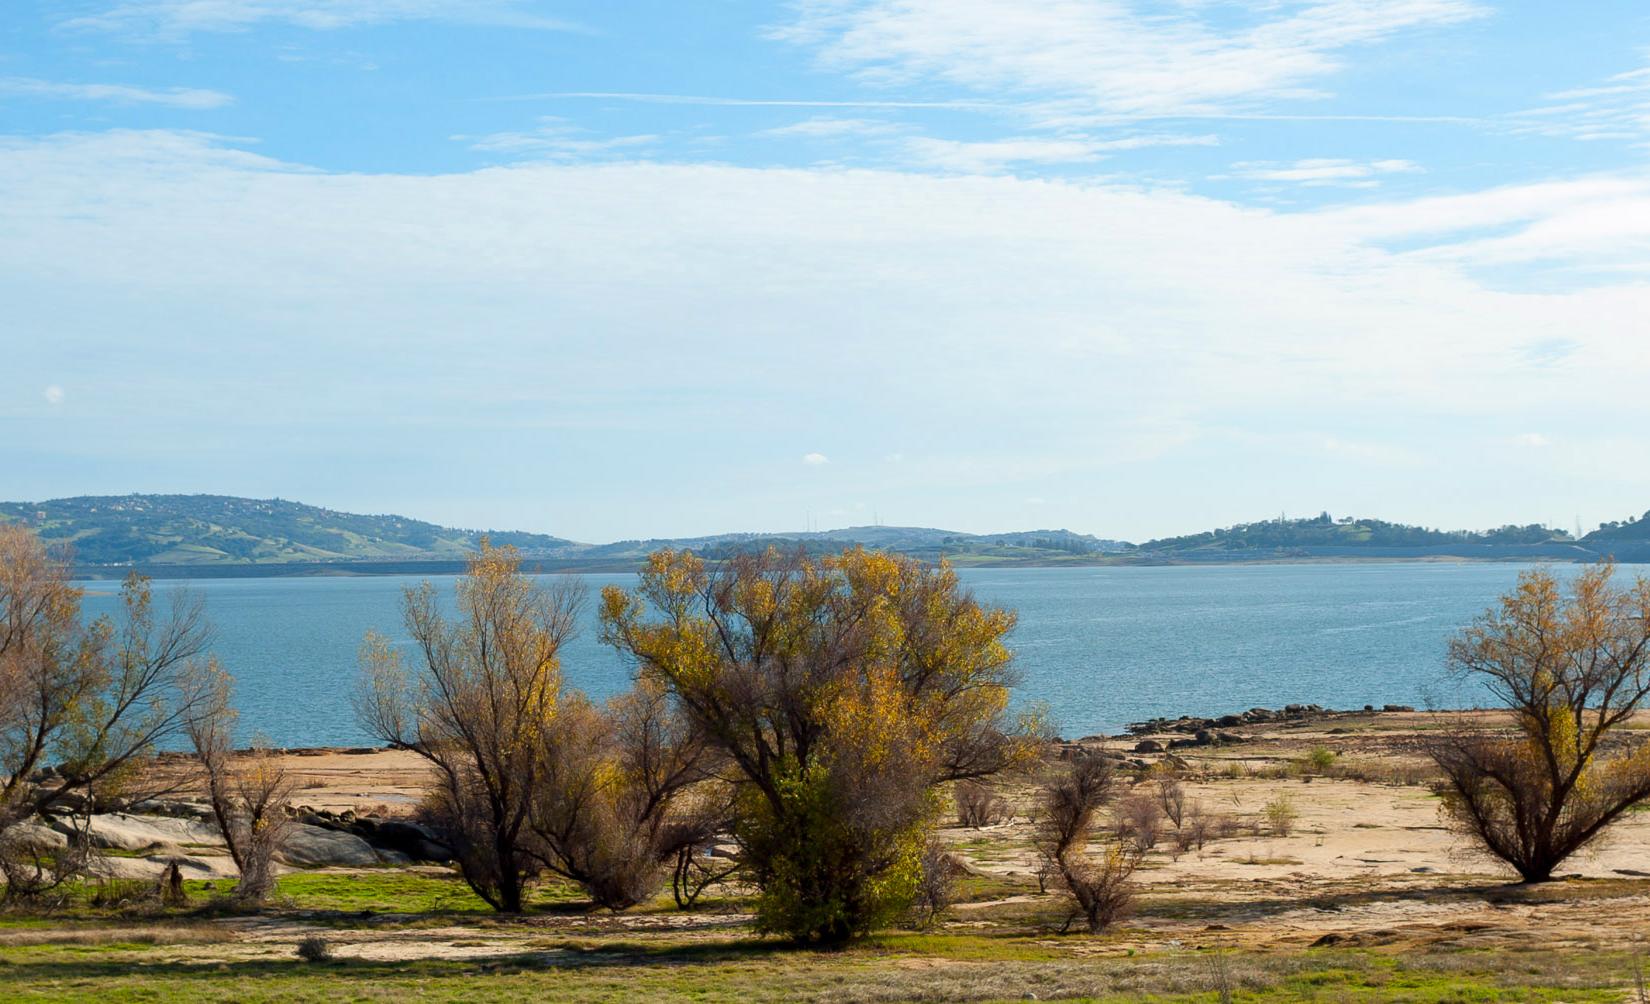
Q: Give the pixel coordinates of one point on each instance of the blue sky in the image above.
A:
(615, 270)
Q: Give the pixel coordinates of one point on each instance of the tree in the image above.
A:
(488, 690)
(1099, 888)
(841, 692)
(249, 799)
(1572, 671)
(609, 811)
(90, 701)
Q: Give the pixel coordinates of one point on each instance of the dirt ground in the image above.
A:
(1369, 860)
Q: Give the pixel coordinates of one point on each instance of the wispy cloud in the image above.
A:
(555, 139)
(1617, 109)
(650, 98)
(123, 94)
(815, 459)
(1107, 56)
(1323, 171)
(991, 156)
(686, 294)
(164, 18)
(826, 127)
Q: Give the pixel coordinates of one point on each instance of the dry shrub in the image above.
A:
(315, 949)
(1139, 819)
(1099, 887)
(937, 884)
(978, 805)
(1196, 829)
(1171, 797)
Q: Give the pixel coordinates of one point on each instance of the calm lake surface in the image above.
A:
(1102, 646)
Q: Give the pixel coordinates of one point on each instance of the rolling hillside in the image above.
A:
(221, 529)
(207, 531)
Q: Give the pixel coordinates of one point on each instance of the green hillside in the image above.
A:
(1326, 532)
(221, 529)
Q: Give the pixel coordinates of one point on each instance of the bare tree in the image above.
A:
(978, 805)
(249, 798)
(1572, 671)
(91, 701)
(1099, 889)
(488, 687)
(609, 811)
(1171, 797)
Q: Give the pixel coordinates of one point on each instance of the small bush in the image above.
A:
(315, 949)
(1139, 818)
(1281, 816)
(1318, 760)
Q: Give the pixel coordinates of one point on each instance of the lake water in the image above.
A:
(1102, 646)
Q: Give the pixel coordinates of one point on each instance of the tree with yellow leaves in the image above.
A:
(842, 692)
(1572, 671)
(485, 697)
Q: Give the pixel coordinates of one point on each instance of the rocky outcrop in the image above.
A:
(125, 832)
(1191, 725)
(316, 847)
(411, 841)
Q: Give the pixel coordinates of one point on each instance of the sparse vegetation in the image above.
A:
(1281, 814)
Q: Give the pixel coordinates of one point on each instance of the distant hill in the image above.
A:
(1326, 536)
(225, 535)
(1626, 530)
(222, 529)
(213, 531)
(1026, 547)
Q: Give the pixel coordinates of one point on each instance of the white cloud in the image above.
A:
(555, 139)
(994, 155)
(815, 459)
(1108, 56)
(124, 94)
(1598, 225)
(53, 394)
(168, 18)
(990, 156)
(826, 127)
(1046, 324)
(1532, 440)
(1324, 171)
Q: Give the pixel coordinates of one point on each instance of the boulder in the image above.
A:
(36, 837)
(202, 866)
(1148, 746)
(314, 847)
(409, 839)
(125, 832)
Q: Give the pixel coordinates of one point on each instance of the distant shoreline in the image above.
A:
(355, 569)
